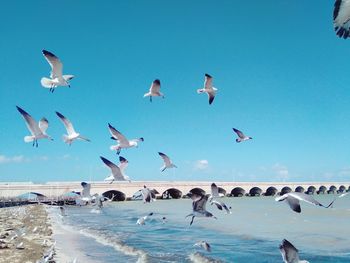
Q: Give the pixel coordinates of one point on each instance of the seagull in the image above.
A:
(141, 220)
(293, 199)
(63, 211)
(117, 171)
(85, 194)
(203, 245)
(241, 136)
(341, 18)
(38, 130)
(214, 194)
(154, 90)
(123, 142)
(72, 134)
(146, 195)
(56, 78)
(198, 206)
(208, 88)
(290, 253)
(167, 162)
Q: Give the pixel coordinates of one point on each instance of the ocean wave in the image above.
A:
(200, 258)
(116, 244)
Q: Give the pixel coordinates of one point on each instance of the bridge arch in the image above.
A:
(271, 191)
(116, 195)
(237, 192)
(198, 191)
(311, 190)
(342, 189)
(32, 196)
(255, 191)
(322, 189)
(286, 190)
(299, 189)
(172, 193)
(332, 189)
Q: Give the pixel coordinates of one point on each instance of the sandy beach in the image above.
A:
(25, 234)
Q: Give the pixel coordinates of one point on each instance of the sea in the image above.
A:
(252, 233)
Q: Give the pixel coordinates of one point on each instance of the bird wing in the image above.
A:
(146, 194)
(123, 163)
(293, 203)
(289, 252)
(43, 125)
(32, 125)
(117, 135)
(199, 205)
(155, 87)
(239, 133)
(55, 63)
(165, 158)
(306, 198)
(67, 124)
(221, 205)
(114, 168)
(208, 81)
(211, 96)
(86, 189)
(214, 190)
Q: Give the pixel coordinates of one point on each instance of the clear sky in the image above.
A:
(281, 72)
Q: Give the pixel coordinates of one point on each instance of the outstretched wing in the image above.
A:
(200, 204)
(289, 252)
(341, 18)
(43, 125)
(123, 163)
(114, 168)
(55, 63)
(239, 133)
(32, 125)
(208, 81)
(155, 87)
(67, 124)
(165, 158)
(117, 135)
(214, 190)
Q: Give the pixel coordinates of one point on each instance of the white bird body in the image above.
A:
(290, 253)
(154, 90)
(123, 142)
(293, 199)
(214, 194)
(341, 18)
(167, 162)
(117, 171)
(56, 78)
(38, 130)
(85, 195)
(142, 220)
(241, 136)
(71, 133)
(203, 245)
(146, 195)
(198, 206)
(208, 88)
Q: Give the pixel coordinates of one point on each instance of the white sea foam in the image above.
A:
(200, 258)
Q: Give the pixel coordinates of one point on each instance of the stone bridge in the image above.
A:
(125, 190)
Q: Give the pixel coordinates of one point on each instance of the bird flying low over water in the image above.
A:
(85, 195)
(147, 196)
(208, 88)
(123, 142)
(72, 134)
(142, 220)
(56, 78)
(341, 18)
(154, 90)
(290, 253)
(117, 171)
(167, 162)
(214, 194)
(203, 245)
(241, 136)
(293, 199)
(198, 206)
(38, 130)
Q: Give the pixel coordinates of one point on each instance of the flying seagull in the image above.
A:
(208, 88)
(293, 199)
(85, 195)
(146, 195)
(290, 253)
(198, 206)
(38, 130)
(117, 171)
(241, 136)
(154, 90)
(142, 220)
(123, 142)
(56, 78)
(341, 18)
(203, 245)
(214, 194)
(167, 162)
(72, 134)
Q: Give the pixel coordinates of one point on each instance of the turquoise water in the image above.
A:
(252, 233)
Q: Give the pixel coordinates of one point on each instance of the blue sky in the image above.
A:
(280, 69)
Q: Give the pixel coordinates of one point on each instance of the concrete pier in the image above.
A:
(125, 190)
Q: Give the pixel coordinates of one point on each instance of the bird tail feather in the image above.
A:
(28, 138)
(46, 82)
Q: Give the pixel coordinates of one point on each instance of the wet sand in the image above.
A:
(25, 234)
